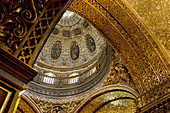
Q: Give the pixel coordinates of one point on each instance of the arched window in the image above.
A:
(49, 78)
(74, 79)
(92, 71)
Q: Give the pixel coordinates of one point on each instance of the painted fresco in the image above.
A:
(77, 31)
(66, 33)
(56, 50)
(90, 43)
(74, 50)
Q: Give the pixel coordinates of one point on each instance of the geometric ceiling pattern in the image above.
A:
(73, 43)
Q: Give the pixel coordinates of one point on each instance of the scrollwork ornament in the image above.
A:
(3, 12)
(12, 31)
(25, 8)
(29, 15)
(15, 20)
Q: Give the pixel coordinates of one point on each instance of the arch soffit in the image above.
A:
(26, 104)
(102, 91)
(127, 34)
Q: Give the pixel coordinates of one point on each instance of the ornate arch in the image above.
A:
(27, 105)
(143, 55)
(101, 97)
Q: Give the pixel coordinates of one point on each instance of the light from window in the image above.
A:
(92, 70)
(48, 80)
(73, 80)
(50, 74)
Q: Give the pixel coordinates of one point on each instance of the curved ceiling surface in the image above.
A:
(73, 58)
(76, 61)
(73, 43)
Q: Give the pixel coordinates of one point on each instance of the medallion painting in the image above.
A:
(85, 24)
(55, 31)
(90, 43)
(56, 109)
(66, 33)
(56, 50)
(74, 50)
(77, 31)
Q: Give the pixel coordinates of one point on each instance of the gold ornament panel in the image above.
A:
(24, 107)
(25, 24)
(120, 105)
(125, 106)
(129, 37)
(156, 15)
(114, 97)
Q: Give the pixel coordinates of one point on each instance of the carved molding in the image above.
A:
(154, 99)
(16, 68)
(129, 37)
(16, 18)
(24, 25)
(102, 96)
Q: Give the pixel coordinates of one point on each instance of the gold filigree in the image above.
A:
(24, 107)
(155, 14)
(37, 34)
(13, 22)
(129, 37)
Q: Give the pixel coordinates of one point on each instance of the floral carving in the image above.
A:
(14, 20)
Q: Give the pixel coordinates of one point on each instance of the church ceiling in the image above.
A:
(138, 32)
(129, 36)
(118, 75)
(156, 15)
(74, 59)
(74, 43)
(25, 24)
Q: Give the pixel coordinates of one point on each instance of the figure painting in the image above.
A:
(90, 43)
(123, 72)
(77, 31)
(66, 33)
(56, 50)
(74, 50)
(57, 109)
(85, 24)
